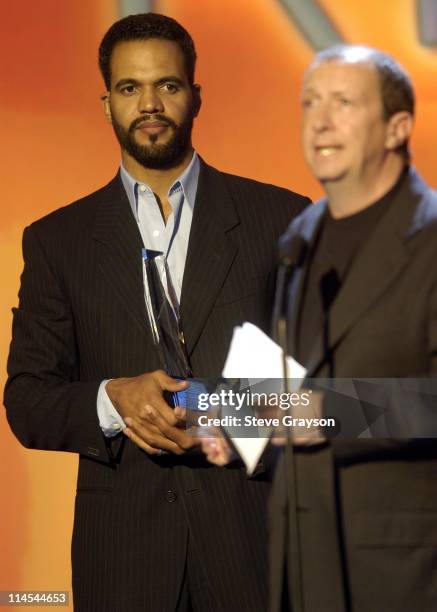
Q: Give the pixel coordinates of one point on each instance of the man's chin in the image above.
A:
(328, 178)
(153, 145)
(160, 160)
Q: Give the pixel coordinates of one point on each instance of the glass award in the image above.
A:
(162, 310)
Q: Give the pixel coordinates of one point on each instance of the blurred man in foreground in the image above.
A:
(366, 307)
(363, 304)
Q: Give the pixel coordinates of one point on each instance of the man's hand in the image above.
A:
(302, 435)
(218, 451)
(151, 423)
(216, 448)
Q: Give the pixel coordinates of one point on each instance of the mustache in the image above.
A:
(161, 118)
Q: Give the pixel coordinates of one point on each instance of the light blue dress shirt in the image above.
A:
(170, 238)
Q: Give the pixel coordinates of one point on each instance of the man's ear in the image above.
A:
(399, 129)
(106, 106)
(197, 98)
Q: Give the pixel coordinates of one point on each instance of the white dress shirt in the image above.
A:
(170, 238)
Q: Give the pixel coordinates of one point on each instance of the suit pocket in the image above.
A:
(95, 477)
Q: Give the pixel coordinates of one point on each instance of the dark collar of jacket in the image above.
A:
(377, 265)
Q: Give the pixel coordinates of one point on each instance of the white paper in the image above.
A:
(255, 356)
(250, 450)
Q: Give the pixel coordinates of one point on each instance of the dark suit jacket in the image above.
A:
(81, 319)
(368, 508)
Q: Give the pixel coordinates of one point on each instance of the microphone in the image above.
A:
(292, 254)
(292, 250)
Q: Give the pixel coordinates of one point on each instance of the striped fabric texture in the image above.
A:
(146, 529)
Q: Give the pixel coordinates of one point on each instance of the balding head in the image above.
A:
(397, 91)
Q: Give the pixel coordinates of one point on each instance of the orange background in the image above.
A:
(58, 147)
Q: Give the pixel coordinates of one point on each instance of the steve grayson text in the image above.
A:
(254, 421)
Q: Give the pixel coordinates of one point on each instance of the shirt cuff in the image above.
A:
(110, 421)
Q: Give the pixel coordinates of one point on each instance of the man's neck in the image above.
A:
(159, 181)
(348, 197)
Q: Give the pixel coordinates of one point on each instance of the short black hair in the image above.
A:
(397, 91)
(144, 26)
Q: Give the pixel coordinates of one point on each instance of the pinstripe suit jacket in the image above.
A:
(81, 318)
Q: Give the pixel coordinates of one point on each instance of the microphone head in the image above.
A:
(292, 249)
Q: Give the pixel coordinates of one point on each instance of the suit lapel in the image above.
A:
(210, 252)
(376, 267)
(120, 252)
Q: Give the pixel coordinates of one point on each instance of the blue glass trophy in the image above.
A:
(162, 310)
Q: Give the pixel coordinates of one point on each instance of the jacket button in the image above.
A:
(170, 496)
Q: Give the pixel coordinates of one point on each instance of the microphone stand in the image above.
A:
(293, 544)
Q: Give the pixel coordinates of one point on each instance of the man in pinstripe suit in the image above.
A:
(153, 531)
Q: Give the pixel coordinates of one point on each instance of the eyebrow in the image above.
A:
(122, 82)
(337, 92)
(173, 79)
(161, 81)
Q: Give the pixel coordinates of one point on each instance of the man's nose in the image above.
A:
(322, 118)
(150, 101)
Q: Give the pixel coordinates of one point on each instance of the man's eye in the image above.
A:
(128, 89)
(345, 101)
(307, 102)
(170, 87)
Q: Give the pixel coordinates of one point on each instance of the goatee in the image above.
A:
(153, 155)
